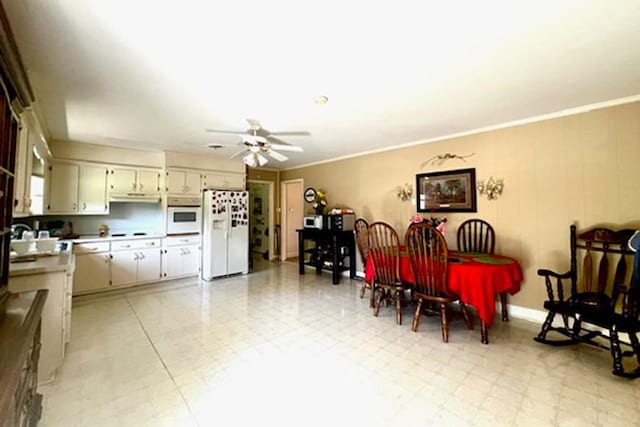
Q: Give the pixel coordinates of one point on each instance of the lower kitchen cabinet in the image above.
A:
(135, 266)
(104, 265)
(54, 274)
(92, 267)
(181, 256)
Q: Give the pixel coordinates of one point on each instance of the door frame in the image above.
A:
(283, 216)
(272, 213)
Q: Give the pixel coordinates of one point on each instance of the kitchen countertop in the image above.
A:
(87, 239)
(43, 264)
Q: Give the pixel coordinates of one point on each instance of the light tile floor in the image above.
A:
(276, 348)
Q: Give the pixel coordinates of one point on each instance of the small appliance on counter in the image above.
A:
(341, 222)
(337, 222)
(314, 221)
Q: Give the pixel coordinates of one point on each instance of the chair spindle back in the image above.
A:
(384, 251)
(428, 252)
(476, 235)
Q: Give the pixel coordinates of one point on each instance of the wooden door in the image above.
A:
(292, 213)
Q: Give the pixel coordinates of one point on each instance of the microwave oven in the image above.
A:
(184, 215)
(314, 221)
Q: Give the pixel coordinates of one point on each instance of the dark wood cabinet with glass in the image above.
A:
(330, 250)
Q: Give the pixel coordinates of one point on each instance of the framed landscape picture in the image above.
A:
(448, 191)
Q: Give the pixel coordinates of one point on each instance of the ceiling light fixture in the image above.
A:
(254, 159)
(320, 100)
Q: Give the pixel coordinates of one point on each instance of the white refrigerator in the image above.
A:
(225, 233)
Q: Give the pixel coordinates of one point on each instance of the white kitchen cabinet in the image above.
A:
(183, 182)
(92, 267)
(22, 182)
(132, 180)
(124, 267)
(181, 256)
(92, 190)
(135, 261)
(76, 189)
(224, 181)
(55, 276)
(63, 188)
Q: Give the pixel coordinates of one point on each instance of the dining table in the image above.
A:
(476, 278)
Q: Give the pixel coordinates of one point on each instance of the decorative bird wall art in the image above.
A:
(441, 158)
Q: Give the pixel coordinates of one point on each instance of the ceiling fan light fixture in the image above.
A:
(262, 160)
(250, 160)
(320, 100)
(254, 159)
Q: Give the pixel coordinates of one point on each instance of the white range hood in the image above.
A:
(134, 198)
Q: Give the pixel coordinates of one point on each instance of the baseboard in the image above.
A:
(524, 313)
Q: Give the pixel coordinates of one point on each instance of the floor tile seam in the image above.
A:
(164, 365)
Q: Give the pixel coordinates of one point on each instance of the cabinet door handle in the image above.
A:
(187, 189)
(126, 246)
(84, 206)
(135, 256)
(142, 256)
(133, 185)
(75, 206)
(186, 251)
(106, 258)
(140, 186)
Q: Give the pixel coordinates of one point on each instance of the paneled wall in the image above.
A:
(577, 169)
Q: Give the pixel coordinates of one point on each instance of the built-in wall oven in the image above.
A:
(184, 215)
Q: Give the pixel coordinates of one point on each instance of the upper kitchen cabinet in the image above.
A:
(182, 182)
(134, 183)
(22, 183)
(76, 189)
(224, 180)
(32, 156)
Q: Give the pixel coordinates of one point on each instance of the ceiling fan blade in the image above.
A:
(277, 155)
(238, 153)
(282, 147)
(301, 133)
(229, 132)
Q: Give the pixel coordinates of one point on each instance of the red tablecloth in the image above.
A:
(476, 278)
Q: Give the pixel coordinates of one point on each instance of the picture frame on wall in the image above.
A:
(446, 191)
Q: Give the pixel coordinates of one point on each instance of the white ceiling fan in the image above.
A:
(258, 142)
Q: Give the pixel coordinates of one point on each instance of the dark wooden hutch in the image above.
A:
(20, 404)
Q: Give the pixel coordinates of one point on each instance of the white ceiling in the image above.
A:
(155, 74)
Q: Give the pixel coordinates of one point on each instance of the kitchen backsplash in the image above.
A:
(123, 218)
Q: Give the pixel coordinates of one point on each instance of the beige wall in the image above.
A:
(581, 168)
(199, 161)
(106, 154)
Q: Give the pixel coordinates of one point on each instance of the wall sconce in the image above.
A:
(404, 193)
(492, 188)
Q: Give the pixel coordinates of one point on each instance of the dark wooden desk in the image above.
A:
(330, 249)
